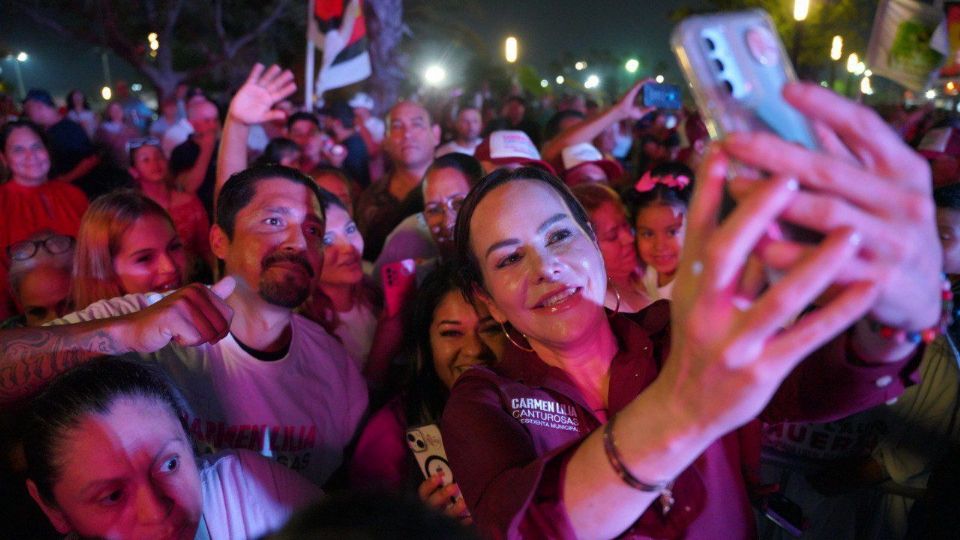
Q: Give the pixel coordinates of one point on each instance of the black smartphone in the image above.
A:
(661, 96)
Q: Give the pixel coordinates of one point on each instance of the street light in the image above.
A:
(801, 8)
(931, 94)
(511, 49)
(560, 79)
(434, 75)
(866, 87)
(632, 65)
(852, 62)
(544, 83)
(580, 66)
(17, 60)
(106, 93)
(836, 48)
(592, 82)
(659, 79)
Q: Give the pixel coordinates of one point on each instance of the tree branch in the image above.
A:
(231, 49)
(42, 19)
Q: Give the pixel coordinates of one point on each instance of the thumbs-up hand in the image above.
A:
(193, 315)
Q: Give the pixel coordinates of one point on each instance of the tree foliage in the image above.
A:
(850, 19)
(197, 39)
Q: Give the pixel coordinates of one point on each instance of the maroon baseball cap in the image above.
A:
(574, 159)
(938, 142)
(509, 147)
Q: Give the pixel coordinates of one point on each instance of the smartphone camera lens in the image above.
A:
(719, 64)
(728, 86)
(710, 44)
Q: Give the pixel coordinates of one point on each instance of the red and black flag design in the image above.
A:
(338, 29)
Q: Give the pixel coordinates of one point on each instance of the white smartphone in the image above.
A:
(427, 447)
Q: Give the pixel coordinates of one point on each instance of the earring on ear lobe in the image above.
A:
(616, 291)
(515, 344)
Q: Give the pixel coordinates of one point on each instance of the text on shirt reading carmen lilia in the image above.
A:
(545, 413)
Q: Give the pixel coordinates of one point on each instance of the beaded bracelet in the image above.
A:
(927, 335)
(616, 461)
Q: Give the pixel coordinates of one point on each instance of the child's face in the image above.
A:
(660, 232)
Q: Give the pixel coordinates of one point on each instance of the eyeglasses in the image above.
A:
(438, 209)
(133, 144)
(27, 249)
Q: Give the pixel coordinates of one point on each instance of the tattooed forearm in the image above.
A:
(29, 357)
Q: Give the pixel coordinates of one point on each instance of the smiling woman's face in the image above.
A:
(461, 337)
(542, 272)
(151, 257)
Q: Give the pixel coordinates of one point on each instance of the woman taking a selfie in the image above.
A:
(596, 425)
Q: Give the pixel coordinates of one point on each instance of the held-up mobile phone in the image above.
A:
(785, 513)
(661, 96)
(399, 280)
(736, 66)
(427, 447)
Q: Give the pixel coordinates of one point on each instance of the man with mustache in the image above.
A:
(254, 374)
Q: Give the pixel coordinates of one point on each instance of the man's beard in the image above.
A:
(288, 292)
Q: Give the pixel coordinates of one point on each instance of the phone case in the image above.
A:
(736, 66)
(661, 96)
(427, 446)
(399, 279)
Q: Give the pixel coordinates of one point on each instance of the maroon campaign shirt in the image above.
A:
(509, 431)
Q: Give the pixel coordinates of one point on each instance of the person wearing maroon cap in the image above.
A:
(603, 425)
(941, 147)
(582, 163)
(509, 150)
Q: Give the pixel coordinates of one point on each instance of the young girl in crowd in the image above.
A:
(659, 203)
(40, 278)
(108, 456)
(150, 170)
(449, 335)
(126, 244)
(615, 237)
(28, 202)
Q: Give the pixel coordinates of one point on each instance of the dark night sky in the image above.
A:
(545, 28)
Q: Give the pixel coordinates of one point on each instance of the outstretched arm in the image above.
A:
(30, 357)
(251, 105)
(589, 129)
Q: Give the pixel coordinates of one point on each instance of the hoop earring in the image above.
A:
(515, 344)
(616, 310)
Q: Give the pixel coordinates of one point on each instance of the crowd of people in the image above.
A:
(229, 320)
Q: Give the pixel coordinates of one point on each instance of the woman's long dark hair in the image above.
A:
(426, 394)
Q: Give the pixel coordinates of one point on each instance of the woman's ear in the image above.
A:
(56, 517)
